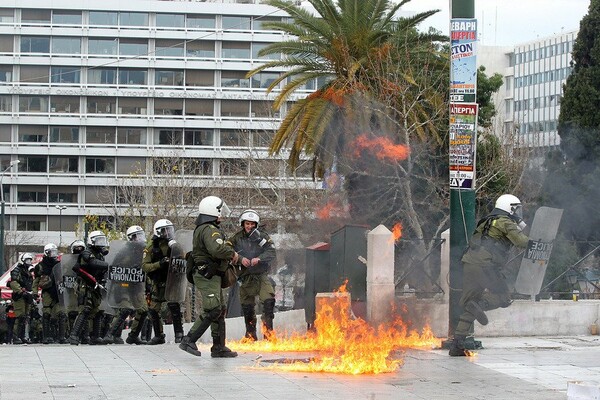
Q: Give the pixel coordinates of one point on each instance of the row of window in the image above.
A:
(542, 77)
(156, 48)
(138, 76)
(137, 136)
(138, 106)
(544, 52)
(537, 102)
(538, 127)
(133, 19)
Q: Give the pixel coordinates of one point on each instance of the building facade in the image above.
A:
(96, 96)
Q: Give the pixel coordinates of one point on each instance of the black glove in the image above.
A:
(164, 262)
(209, 270)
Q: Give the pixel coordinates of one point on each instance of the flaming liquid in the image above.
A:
(344, 344)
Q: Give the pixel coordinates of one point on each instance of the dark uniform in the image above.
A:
(255, 279)
(211, 253)
(91, 269)
(52, 312)
(21, 283)
(484, 285)
(155, 264)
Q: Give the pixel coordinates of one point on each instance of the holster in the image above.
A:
(209, 270)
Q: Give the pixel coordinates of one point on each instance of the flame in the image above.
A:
(382, 147)
(325, 211)
(344, 344)
(397, 231)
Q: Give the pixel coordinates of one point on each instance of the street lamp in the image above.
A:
(60, 210)
(14, 162)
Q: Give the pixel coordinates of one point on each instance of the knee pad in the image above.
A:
(269, 307)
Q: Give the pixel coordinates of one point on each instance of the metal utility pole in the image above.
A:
(60, 210)
(2, 266)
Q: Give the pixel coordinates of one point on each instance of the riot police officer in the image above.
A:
(256, 252)
(91, 269)
(21, 283)
(155, 264)
(211, 253)
(52, 312)
(484, 286)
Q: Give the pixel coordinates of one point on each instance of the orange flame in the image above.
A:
(397, 231)
(346, 345)
(325, 211)
(382, 147)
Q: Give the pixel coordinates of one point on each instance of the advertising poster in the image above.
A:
(463, 141)
(463, 71)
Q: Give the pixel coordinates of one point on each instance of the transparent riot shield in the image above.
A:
(66, 281)
(125, 283)
(176, 281)
(537, 254)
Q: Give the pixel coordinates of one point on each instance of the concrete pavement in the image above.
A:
(508, 368)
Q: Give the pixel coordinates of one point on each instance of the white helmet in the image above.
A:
(214, 207)
(97, 239)
(163, 228)
(50, 250)
(27, 258)
(135, 233)
(77, 246)
(249, 215)
(511, 204)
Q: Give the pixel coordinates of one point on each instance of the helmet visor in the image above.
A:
(167, 232)
(137, 237)
(52, 253)
(100, 241)
(517, 210)
(225, 211)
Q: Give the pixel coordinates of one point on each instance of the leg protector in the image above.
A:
(175, 309)
(250, 320)
(107, 320)
(114, 333)
(46, 330)
(268, 314)
(96, 335)
(188, 343)
(146, 334)
(133, 337)
(80, 322)
(159, 336)
(19, 331)
(219, 350)
(62, 328)
(457, 349)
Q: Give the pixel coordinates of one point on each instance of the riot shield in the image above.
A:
(125, 281)
(176, 280)
(536, 256)
(66, 282)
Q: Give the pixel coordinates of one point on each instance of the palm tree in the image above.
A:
(363, 53)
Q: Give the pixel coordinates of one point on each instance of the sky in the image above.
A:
(509, 22)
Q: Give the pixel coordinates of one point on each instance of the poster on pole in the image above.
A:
(463, 71)
(463, 142)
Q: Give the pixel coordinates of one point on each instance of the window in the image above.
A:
(133, 19)
(197, 166)
(64, 134)
(6, 73)
(102, 46)
(99, 195)
(234, 138)
(168, 106)
(261, 109)
(235, 79)
(200, 49)
(60, 165)
(233, 167)
(33, 134)
(173, 137)
(259, 23)
(133, 76)
(131, 165)
(132, 105)
(31, 223)
(231, 22)
(133, 47)
(5, 134)
(170, 20)
(262, 138)
(31, 194)
(35, 16)
(33, 164)
(5, 103)
(235, 108)
(131, 135)
(256, 47)
(198, 137)
(6, 43)
(102, 76)
(268, 167)
(64, 104)
(238, 50)
(101, 105)
(66, 17)
(168, 78)
(103, 18)
(200, 21)
(66, 45)
(35, 44)
(62, 223)
(196, 77)
(166, 166)
(264, 79)
(100, 165)
(62, 194)
(65, 75)
(199, 107)
(34, 74)
(100, 134)
(33, 104)
(168, 48)
(7, 15)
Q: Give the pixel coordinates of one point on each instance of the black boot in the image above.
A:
(133, 337)
(250, 320)
(159, 335)
(457, 348)
(46, 330)
(19, 331)
(188, 343)
(80, 322)
(218, 349)
(107, 320)
(62, 328)
(146, 334)
(475, 308)
(96, 334)
(85, 333)
(267, 317)
(175, 309)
